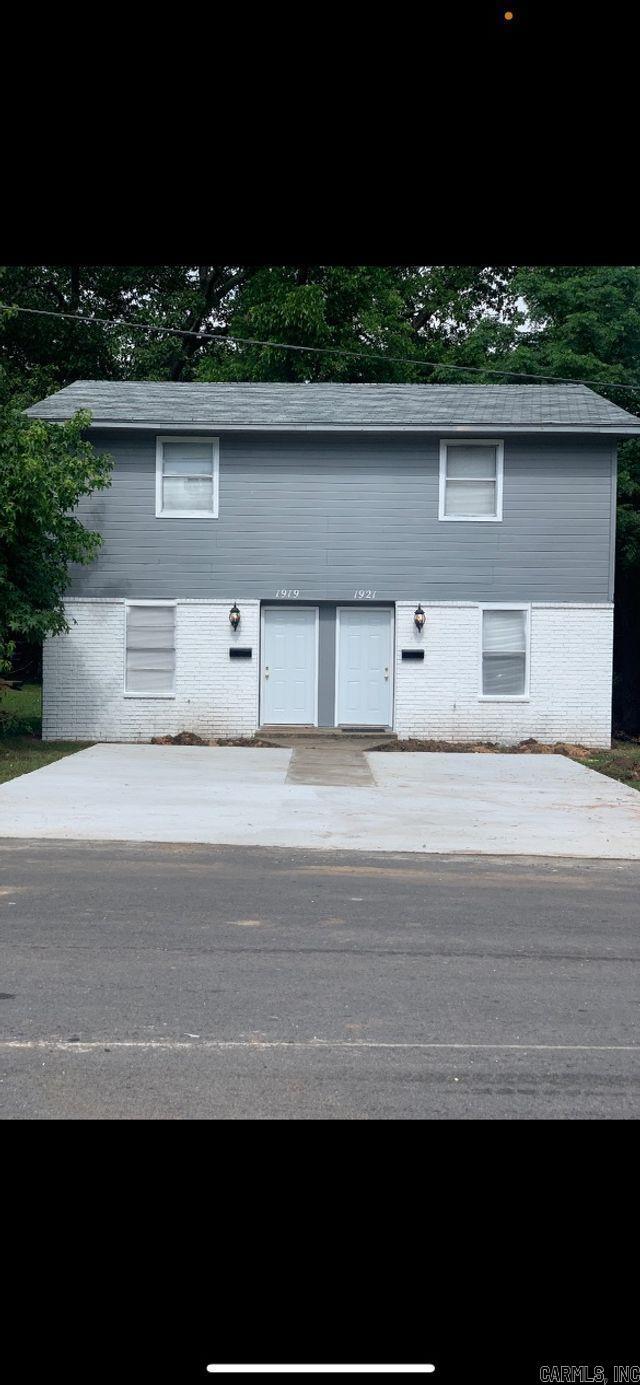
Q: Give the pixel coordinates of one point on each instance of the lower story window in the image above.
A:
(504, 652)
(150, 657)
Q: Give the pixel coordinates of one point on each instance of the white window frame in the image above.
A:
(508, 606)
(446, 443)
(214, 444)
(126, 693)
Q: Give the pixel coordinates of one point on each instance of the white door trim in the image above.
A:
(392, 662)
(291, 606)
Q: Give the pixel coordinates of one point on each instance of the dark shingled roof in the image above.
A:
(521, 408)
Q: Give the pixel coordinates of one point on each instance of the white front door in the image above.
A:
(364, 670)
(290, 666)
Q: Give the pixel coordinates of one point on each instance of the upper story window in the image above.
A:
(471, 480)
(505, 651)
(187, 478)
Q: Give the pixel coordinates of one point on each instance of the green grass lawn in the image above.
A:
(621, 762)
(21, 748)
(21, 712)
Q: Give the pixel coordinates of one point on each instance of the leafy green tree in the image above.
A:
(45, 469)
(439, 313)
(388, 320)
(42, 354)
(348, 308)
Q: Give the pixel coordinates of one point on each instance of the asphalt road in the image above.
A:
(186, 982)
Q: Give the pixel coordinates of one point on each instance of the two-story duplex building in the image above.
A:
(437, 559)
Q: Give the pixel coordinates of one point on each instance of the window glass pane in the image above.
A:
(150, 656)
(471, 462)
(504, 632)
(160, 616)
(194, 468)
(503, 675)
(150, 680)
(187, 456)
(470, 498)
(150, 659)
(185, 493)
(504, 643)
(150, 626)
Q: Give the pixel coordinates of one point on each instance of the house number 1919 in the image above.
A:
(288, 594)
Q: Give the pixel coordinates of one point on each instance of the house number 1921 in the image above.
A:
(363, 594)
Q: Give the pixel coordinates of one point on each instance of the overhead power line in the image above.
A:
(225, 338)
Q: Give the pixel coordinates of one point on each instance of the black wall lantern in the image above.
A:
(419, 618)
(234, 615)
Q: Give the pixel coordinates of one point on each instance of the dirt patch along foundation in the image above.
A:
(528, 747)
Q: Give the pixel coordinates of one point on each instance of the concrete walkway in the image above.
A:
(497, 804)
(329, 764)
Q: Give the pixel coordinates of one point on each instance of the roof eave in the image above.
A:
(171, 426)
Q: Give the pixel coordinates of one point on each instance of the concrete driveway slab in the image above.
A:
(495, 804)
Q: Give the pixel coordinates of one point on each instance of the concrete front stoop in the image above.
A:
(321, 737)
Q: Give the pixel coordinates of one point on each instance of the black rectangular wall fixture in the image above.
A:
(236, 653)
(413, 653)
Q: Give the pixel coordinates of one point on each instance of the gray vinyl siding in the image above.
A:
(327, 515)
(327, 666)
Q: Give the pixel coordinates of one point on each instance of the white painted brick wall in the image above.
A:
(570, 682)
(83, 676)
(570, 677)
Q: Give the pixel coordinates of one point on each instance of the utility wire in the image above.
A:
(225, 337)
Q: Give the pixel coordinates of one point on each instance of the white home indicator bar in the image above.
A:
(319, 1370)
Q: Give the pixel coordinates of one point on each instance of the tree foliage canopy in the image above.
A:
(44, 470)
(393, 310)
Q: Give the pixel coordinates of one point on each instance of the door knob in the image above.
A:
(386, 672)
(266, 672)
